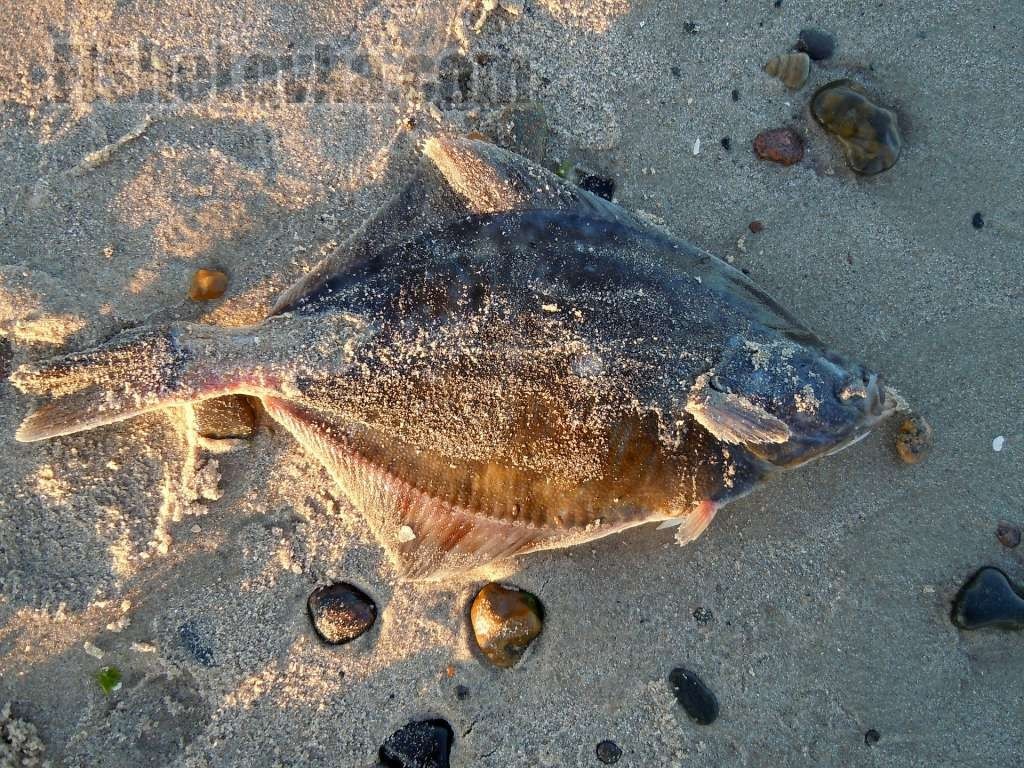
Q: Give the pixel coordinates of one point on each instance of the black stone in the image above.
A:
(676, 71)
(694, 696)
(871, 737)
(977, 221)
(195, 642)
(703, 615)
(691, 27)
(602, 186)
(340, 612)
(988, 599)
(726, 143)
(6, 354)
(735, 94)
(420, 744)
(461, 692)
(608, 752)
(816, 43)
(1008, 535)
(778, 3)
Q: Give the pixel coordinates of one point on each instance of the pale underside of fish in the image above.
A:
(499, 362)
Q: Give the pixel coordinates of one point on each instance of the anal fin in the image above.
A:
(426, 537)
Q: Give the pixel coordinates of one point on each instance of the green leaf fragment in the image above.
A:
(109, 679)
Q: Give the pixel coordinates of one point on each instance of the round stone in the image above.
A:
(871, 737)
(696, 699)
(816, 43)
(505, 621)
(608, 752)
(914, 439)
(420, 744)
(207, 284)
(341, 612)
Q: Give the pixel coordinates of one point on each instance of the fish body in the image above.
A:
(498, 362)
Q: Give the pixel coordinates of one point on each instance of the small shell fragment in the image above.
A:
(998, 443)
(791, 68)
(405, 534)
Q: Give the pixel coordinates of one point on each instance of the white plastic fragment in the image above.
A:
(998, 443)
(405, 533)
(696, 147)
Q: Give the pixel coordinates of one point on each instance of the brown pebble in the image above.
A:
(868, 133)
(207, 284)
(1008, 534)
(505, 621)
(914, 439)
(756, 226)
(780, 145)
(223, 418)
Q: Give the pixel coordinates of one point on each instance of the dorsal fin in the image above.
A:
(494, 180)
(459, 177)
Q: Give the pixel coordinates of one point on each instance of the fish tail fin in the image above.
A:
(135, 372)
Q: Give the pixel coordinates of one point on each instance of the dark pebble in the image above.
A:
(420, 744)
(602, 186)
(676, 71)
(726, 143)
(461, 692)
(735, 94)
(6, 354)
(195, 642)
(1008, 534)
(778, 3)
(780, 145)
(694, 696)
(988, 599)
(691, 27)
(755, 227)
(871, 737)
(977, 221)
(816, 43)
(703, 615)
(340, 612)
(221, 418)
(608, 752)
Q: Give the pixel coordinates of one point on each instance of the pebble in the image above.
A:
(694, 696)
(608, 752)
(780, 145)
(195, 643)
(726, 143)
(977, 220)
(461, 692)
(998, 443)
(869, 134)
(505, 621)
(914, 439)
(871, 737)
(703, 615)
(222, 418)
(420, 744)
(735, 94)
(755, 227)
(6, 355)
(791, 68)
(816, 43)
(340, 612)
(1008, 535)
(207, 284)
(988, 599)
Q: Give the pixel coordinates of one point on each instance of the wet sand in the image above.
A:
(829, 589)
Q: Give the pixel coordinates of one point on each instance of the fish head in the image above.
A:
(788, 403)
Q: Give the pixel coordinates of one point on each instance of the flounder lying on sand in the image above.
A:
(498, 362)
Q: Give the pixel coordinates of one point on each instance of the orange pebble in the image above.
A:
(207, 284)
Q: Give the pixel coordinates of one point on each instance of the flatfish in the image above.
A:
(499, 362)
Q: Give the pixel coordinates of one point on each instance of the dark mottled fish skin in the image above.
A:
(499, 362)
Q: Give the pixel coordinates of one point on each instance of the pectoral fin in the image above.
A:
(733, 418)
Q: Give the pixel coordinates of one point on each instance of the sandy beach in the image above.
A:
(141, 140)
